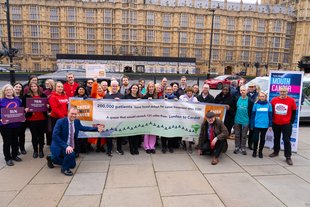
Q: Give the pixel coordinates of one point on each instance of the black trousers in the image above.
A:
(10, 142)
(37, 129)
(171, 142)
(110, 144)
(134, 142)
(286, 131)
(259, 135)
(206, 149)
(21, 136)
(250, 138)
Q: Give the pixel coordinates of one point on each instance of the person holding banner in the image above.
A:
(149, 139)
(64, 140)
(284, 114)
(9, 131)
(242, 121)
(212, 136)
(19, 89)
(188, 97)
(134, 141)
(36, 121)
(116, 95)
(261, 121)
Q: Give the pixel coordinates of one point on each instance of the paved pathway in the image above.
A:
(169, 180)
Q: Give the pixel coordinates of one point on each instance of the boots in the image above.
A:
(260, 153)
(41, 154)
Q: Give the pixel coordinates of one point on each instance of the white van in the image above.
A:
(263, 82)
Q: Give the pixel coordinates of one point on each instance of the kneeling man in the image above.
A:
(212, 137)
(64, 140)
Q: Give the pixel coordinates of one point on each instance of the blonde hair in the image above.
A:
(6, 86)
(52, 84)
(59, 82)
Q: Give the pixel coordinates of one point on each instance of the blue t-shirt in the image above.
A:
(262, 114)
(242, 116)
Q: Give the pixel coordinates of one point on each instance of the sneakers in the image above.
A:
(121, 152)
(274, 154)
(67, 172)
(243, 152)
(49, 161)
(289, 161)
(236, 151)
(17, 159)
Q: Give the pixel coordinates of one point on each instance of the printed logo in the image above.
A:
(281, 109)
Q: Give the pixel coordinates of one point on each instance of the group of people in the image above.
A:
(247, 112)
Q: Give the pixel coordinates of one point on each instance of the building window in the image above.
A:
(286, 58)
(216, 38)
(107, 16)
(215, 54)
(166, 52)
(246, 40)
(150, 36)
(17, 30)
(125, 17)
(91, 34)
(35, 48)
(71, 32)
(288, 43)
(37, 66)
(166, 37)
(107, 50)
(167, 20)
(35, 30)
(229, 55)
(125, 34)
(247, 24)
(19, 46)
(107, 34)
(199, 38)
(183, 52)
(71, 49)
(200, 22)
(277, 26)
(259, 57)
(245, 55)
(274, 57)
(54, 32)
(150, 18)
(16, 13)
(217, 22)
(260, 41)
(90, 15)
(54, 14)
(198, 54)
(276, 42)
(231, 24)
(71, 14)
(54, 49)
(183, 37)
(149, 51)
(133, 35)
(289, 28)
(230, 40)
(184, 20)
(261, 25)
(34, 13)
(91, 49)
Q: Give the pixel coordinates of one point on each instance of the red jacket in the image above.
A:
(70, 89)
(59, 105)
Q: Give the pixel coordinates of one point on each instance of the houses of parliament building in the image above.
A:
(272, 35)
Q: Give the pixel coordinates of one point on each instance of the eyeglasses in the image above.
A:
(90, 82)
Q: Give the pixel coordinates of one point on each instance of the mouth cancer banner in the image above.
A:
(293, 81)
(166, 118)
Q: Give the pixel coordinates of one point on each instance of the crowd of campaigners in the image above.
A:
(248, 113)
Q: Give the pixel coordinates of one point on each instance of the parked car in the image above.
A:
(263, 83)
(221, 80)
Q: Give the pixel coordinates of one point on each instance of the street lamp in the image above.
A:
(11, 54)
(179, 40)
(211, 39)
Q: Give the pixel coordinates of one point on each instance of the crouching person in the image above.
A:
(64, 140)
(212, 137)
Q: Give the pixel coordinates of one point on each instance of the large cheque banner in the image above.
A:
(157, 117)
(293, 81)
